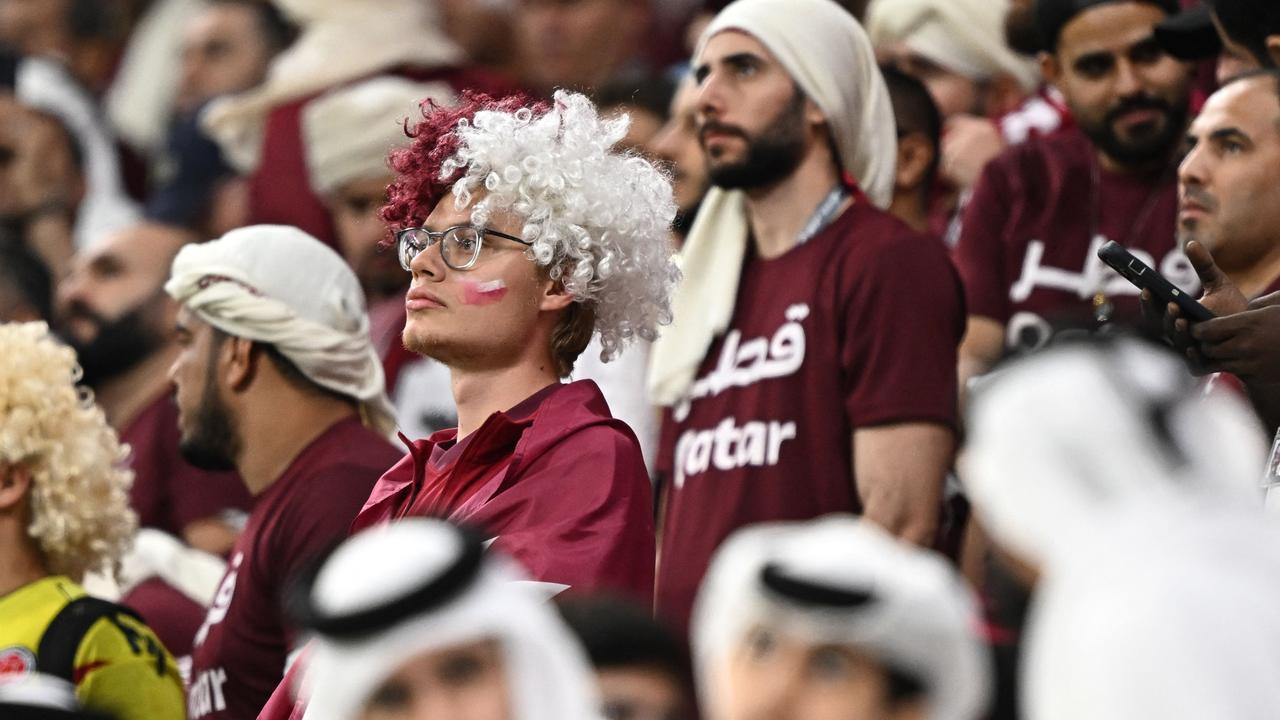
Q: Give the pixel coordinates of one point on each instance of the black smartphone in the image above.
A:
(1144, 278)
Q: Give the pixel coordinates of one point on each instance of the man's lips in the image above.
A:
(1139, 116)
(420, 299)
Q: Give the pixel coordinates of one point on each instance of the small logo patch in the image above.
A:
(16, 660)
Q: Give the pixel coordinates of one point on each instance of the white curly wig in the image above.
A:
(599, 220)
(80, 515)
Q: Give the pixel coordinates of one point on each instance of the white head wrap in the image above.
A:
(341, 41)
(829, 56)
(1163, 610)
(347, 133)
(547, 671)
(963, 36)
(1062, 437)
(44, 85)
(921, 620)
(278, 285)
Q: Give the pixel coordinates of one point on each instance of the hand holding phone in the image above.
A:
(1144, 278)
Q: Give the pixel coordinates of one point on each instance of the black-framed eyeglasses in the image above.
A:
(461, 248)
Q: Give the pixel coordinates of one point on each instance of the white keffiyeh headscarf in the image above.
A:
(827, 53)
(918, 617)
(963, 36)
(278, 285)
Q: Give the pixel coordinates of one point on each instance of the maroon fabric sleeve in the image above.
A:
(979, 253)
(902, 324)
(173, 616)
(584, 513)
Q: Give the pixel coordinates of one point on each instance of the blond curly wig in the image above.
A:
(80, 516)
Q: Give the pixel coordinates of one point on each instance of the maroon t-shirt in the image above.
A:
(168, 493)
(558, 481)
(1039, 213)
(240, 650)
(855, 328)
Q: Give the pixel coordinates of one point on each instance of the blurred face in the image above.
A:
(1229, 199)
(354, 208)
(487, 316)
(770, 676)
(575, 44)
(644, 125)
(464, 682)
(1128, 96)
(223, 51)
(28, 24)
(1235, 58)
(754, 123)
(954, 94)
(207, 433)
(112, 307)
(641, 693)
(676, 143)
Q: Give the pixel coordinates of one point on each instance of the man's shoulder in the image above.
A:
(346, 448)
(1043, 155)
(576, 415)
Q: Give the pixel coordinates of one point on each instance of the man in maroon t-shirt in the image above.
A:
(113, 311)
(1027, 251)
(811, 366)
(540, 237)
(275, 375)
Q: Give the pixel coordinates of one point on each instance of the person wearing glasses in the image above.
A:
(526, 234)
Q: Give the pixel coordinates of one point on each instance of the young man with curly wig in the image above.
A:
(527, 234)
(64, 511)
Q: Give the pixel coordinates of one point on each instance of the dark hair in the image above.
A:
(24, 272)
(283, 365)
(651, 94)
(1249, 23)
(617, 633)
(1053, 15)
(915, 112)
(276, 30)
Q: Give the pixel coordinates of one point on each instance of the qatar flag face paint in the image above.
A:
(485, 292)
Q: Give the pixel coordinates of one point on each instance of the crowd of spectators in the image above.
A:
(639, 359)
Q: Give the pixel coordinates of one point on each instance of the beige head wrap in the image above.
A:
(278, 285)
(348, 133)
(829, 56)
(963, 36)
(341, 41)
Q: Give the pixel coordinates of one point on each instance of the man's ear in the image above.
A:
(915, 154)
(554, 297)
(15, 480)
(238, 360)
(1273, 49)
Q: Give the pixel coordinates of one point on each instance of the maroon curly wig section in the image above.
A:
(418, 187)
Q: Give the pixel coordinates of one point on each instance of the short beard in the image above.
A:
(212, 443)
(1156, 149)
(771, 157)
(118, 346)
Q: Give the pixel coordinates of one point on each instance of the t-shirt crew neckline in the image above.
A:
(754, 257)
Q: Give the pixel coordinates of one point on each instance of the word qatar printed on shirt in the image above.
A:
(758, 443)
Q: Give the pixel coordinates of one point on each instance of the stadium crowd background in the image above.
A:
(977, 383)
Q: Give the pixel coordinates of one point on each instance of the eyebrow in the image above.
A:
(1230, 133)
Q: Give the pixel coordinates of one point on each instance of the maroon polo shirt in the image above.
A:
(557, 481)
(857, 327)
(240, 650)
